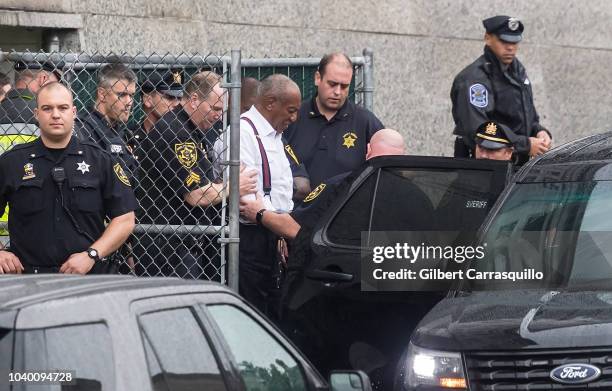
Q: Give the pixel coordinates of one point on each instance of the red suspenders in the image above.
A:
(265, 165)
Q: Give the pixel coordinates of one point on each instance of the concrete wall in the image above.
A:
(418, 45)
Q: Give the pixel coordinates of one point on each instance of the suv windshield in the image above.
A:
(561, 230)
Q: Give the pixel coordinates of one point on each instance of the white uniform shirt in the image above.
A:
(280, 198)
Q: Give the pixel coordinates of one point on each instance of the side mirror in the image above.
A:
(349, 381)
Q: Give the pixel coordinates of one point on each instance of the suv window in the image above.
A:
(354, 216)
(263, 362)
(562, 230)
(84, 349)
(178, 353)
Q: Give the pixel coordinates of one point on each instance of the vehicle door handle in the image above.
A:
(329, 276)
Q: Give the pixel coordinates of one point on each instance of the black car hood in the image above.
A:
(506, 320)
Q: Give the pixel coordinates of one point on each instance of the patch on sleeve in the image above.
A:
(186, 153)
(315, 193)
(479, 96)
(291, 153)
(193, 178)
(121, 174)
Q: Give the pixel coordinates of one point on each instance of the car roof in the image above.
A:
(585, 159)
(19, 291)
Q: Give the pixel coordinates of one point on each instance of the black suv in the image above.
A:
(120, 333)
(329, 316)
(556, 334)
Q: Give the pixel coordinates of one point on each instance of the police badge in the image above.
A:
(479, 96)
(186, 153)
(513, 24)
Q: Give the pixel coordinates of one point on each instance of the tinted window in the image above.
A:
(84, 349)
(178, 353)
(354, 216)
(264, 364)
(562, 230)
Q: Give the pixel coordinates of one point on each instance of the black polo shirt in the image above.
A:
(174, 160)
(95, 187)
(328, 148)
(93, 126)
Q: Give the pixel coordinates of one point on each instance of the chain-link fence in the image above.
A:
(165, 118)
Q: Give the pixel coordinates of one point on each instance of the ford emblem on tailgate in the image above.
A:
(575, 373)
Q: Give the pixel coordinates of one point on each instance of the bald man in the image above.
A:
(385, 142)
(261, 149)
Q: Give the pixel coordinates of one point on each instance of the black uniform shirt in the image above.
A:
(329, 148)
(18, 107)
(311, 209)
(174, 159)
(95, 187)
(92, 126)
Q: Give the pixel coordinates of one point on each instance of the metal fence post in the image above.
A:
(234, 195)
(368, 79)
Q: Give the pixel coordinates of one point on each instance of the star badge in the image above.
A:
(83, 167)
(349, 140)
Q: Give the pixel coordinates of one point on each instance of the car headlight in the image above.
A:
(433, 368)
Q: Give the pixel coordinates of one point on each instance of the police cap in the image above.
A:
(35, 65)
(493, 135)
(507, 28)
(168, 82)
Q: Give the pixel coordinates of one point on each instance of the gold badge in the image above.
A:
(491, 128)
(349, 140)
(177, 77)
(28, 170)
(193, 178)
(121, 174)
(186, 153)
(315, 193)
(291, 153)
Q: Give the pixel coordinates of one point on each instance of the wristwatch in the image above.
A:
(259, 216)
(93, 254)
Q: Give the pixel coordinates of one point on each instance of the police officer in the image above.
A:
(175, 159)
(19, 104)
(105, 124)
(161, 92)
(60, 190)
(331, 133)
(492, 142)
(495, 87)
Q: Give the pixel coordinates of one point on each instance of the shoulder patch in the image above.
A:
(479, 96)
(186, 153)
(291, 153)
(315, 193)
(121, 174)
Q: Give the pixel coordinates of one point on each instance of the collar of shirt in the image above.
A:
(107, 128)
(41, 151)
(263, 126)
(343, 114)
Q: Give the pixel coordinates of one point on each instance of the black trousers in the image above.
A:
(259, 269)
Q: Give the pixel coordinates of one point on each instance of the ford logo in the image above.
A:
(575, 373)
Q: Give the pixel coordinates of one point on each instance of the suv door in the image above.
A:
(262, 357)
(177, 345)
(327, 311)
